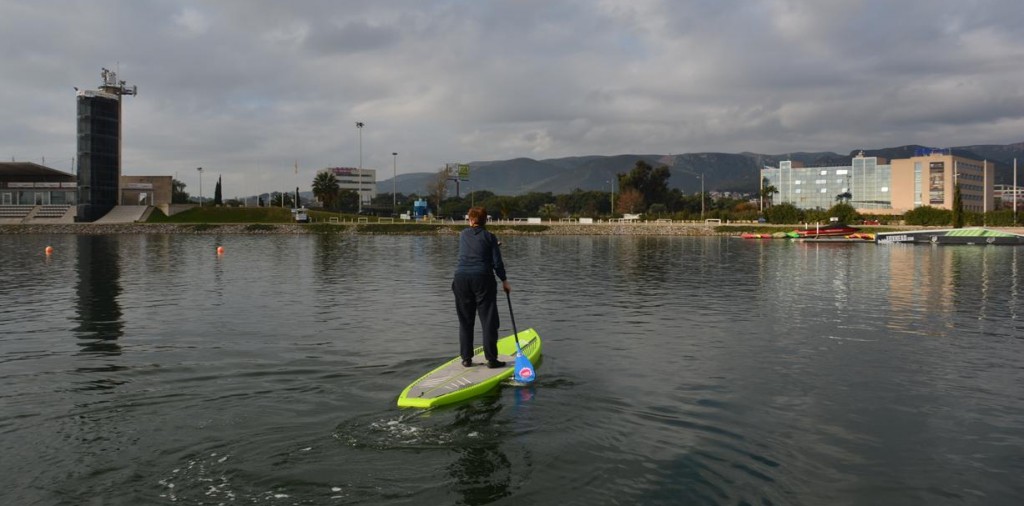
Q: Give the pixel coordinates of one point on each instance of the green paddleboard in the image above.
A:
(451, 382)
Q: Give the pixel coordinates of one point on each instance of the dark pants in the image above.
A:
(477, 294)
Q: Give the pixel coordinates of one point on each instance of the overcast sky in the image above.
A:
(247, 88)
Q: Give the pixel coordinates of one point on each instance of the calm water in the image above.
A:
(145, 369)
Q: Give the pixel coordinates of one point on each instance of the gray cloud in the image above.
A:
(248, 88)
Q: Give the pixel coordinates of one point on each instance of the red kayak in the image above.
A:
(833, 229)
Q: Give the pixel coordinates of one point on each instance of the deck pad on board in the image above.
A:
(452, 382)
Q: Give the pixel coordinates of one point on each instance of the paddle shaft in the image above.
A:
(523, 368)
(511, 315)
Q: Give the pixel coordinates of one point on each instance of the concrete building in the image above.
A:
(30, 184)
(99, 146)
(865, 181)
(1008, 195)
(146, 191)
(874, 186)
(929, 179)
(32, 193)
(361, 181)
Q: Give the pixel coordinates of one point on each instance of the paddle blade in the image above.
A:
(524, 369)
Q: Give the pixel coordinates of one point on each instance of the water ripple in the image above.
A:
(146, 369)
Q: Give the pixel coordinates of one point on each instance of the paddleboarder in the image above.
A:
(476, 291)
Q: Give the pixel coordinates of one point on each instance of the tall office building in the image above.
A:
(930, 177)
(361, 181)
(99, 146)
(864, 183)
(871, 185)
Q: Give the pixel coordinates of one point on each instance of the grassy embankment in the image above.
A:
(225, 215)
(265, 218)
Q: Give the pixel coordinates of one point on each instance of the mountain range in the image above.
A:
(721, 172)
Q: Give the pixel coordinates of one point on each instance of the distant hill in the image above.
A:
(737, 172)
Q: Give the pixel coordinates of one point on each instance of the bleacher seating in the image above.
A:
(15, 211)
(51, 211)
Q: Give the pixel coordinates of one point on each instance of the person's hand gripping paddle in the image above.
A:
(524, 372)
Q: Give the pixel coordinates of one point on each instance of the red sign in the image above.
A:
(344, 171)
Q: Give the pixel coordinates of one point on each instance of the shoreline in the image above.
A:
(450, 228)
(556, 229)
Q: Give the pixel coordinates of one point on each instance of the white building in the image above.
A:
(361, 181)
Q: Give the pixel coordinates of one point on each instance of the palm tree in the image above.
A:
(844, 197)
(768, 192)
(325, 188)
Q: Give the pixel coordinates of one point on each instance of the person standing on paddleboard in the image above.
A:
(476, 290)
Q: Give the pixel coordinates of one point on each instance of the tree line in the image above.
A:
(274, 199)
(644, 190)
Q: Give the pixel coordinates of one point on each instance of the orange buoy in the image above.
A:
(220, 250)
(49, 250)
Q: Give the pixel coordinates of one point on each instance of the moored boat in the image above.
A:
(973, 235)
(830, 230)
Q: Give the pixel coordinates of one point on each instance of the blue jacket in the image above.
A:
(479, 253)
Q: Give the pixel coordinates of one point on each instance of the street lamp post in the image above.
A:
(200, 169)
(359, 126)
(702, 196)
(760, 193)
(394, 183)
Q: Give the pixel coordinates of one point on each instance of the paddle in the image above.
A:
(524, 372)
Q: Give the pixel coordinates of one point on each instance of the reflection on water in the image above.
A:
(98, 287)
(481, 472)
(148, 369)
(939, 282)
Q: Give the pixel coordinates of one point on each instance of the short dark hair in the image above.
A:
(478, 214)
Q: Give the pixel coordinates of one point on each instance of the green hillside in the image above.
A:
(739, 172)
